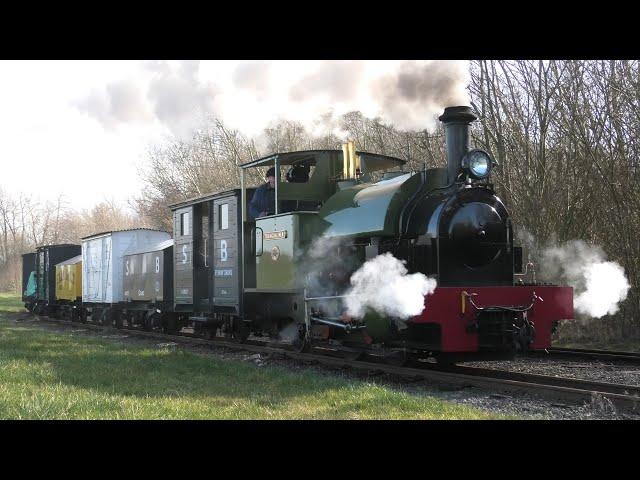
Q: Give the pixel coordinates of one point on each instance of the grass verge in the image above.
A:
(11, 302)
(45, 375)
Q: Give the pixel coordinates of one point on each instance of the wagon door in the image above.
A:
(91, 266)
(42, 294)
(183, 256)
(201, 261)
(225, 255)
(105, 269)
(28, 267)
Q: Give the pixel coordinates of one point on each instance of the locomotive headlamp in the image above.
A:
(478, 163)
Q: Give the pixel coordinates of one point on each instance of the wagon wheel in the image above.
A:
(241, 331)
(106, 319)
(147, 322)
(210, 333)
(119, 320)
(302, 343)
(83, 316)
(171, 325)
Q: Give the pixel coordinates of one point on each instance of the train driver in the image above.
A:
(264, 198)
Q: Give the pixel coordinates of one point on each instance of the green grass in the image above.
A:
(45, 375)
(11, 302)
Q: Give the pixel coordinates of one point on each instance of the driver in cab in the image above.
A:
(264, 198)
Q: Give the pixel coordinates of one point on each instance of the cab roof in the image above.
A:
(374, 161)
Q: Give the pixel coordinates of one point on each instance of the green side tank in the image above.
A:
(374, 209)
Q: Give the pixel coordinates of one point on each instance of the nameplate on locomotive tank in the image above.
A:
(275, 235)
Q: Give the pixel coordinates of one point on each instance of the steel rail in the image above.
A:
(624, 397)
(588, 354)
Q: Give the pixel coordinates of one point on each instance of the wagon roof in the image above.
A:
(151, 248)
(58, 245)
(202, 198)
(71, 261)
(123, 230)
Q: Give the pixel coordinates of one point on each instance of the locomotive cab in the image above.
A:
(275, 294)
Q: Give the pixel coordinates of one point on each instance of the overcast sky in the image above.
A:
(82, 128)
(49, 146)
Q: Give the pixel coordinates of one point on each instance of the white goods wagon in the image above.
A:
(102, 261)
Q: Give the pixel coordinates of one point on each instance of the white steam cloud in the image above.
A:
(599, 285)
(383, 285)
(249, 96)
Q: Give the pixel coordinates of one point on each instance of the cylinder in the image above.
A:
(456, 133)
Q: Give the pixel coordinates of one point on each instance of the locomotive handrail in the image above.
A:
(503, 307)
(331, 297)
(345, 326)
(254, 235)
(526, 271)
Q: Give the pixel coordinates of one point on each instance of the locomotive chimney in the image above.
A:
(456, 132)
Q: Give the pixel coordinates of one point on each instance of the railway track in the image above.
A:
(586, 354)
(622, 397)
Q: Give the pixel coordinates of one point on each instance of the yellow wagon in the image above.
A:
(69, 285)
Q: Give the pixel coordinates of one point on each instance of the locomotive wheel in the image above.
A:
(447, 359)
(353, 356)
(396, 359)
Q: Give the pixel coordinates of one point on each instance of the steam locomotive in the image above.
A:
(283, 276)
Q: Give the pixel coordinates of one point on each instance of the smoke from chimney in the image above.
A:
(249, 96)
